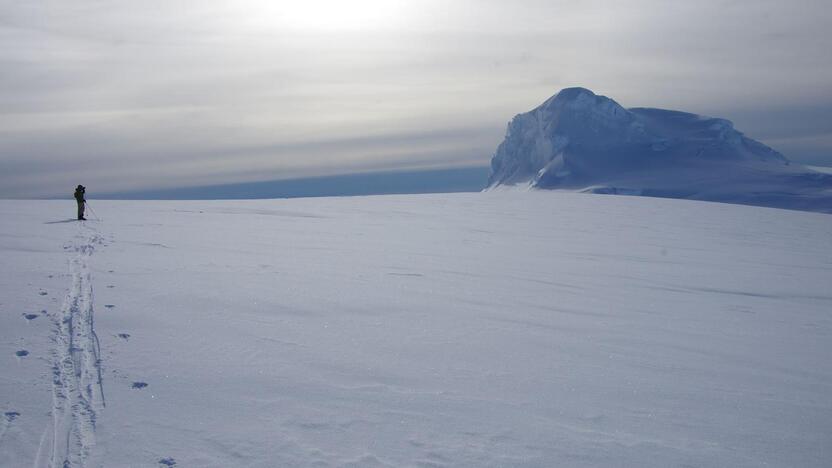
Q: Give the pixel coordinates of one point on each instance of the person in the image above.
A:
(79, 197)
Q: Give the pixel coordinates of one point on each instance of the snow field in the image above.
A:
(495, 329)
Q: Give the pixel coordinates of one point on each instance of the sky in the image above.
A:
(125, 96)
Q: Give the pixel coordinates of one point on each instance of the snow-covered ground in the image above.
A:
(469, 330)
(823, 169)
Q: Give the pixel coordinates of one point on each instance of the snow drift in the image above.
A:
(577, 140)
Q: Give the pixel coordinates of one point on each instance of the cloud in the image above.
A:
(135, 95)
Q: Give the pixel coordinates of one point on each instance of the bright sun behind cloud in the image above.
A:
(333, 14)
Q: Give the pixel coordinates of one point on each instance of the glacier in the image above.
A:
(580, 141)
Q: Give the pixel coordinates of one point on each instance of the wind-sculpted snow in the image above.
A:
(540, 329)
(579, 141)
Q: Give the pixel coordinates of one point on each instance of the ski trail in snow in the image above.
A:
(77, 387)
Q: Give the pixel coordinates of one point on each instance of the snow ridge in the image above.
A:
(577, 140)
(77, 386)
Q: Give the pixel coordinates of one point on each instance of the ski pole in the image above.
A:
(92, 210)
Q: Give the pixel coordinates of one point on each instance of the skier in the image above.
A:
(79, 197)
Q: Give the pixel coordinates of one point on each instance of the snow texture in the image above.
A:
(532, 329)
(580, 141)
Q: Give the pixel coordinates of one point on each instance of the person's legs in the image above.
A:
(80, 210)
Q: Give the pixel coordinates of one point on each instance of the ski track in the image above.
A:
(6, 423)
(77, 386)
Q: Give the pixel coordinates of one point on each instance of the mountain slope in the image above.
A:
(470, 330)
(577, 140)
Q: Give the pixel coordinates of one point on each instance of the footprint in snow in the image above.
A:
(167, 462)
(110, 286)
(30, 316)
(139, 385)
(109, 306)
(21, 353)
(124, 336)
(11, 415)
(43, 293)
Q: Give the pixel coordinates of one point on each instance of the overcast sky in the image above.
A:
(128, 95)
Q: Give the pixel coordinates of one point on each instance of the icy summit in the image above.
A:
(577, 140)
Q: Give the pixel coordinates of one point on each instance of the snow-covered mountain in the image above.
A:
(577, 140)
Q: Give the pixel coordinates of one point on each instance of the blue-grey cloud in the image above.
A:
(124, 95)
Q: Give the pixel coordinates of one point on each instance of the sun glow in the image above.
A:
(334, 14)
